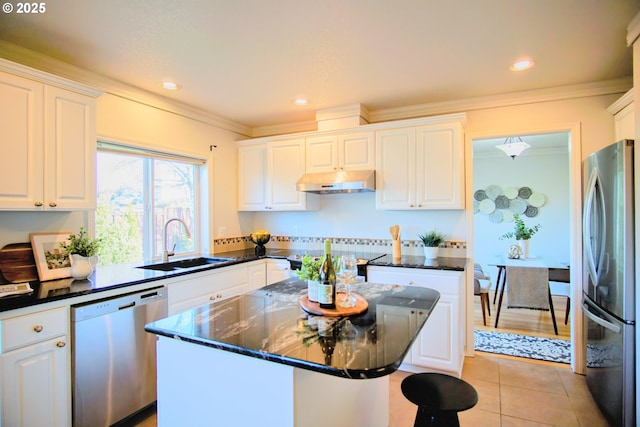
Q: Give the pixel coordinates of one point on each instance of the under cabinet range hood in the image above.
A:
(338, 182)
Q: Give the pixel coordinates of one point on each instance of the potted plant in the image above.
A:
(431, 241)
(83, 253)
(522, 233)
(310, 271)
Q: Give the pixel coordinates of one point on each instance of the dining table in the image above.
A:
(535, 262)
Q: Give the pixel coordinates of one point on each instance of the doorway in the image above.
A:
(546, 170)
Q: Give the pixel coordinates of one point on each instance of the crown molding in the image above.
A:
(633, 30)
(47, 64)
(621, 102)
(606, 87)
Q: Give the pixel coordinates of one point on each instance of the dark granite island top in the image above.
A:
(270, 324)
(259, 359)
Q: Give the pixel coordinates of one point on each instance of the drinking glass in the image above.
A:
(347, 272)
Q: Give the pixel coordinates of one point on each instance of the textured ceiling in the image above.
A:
(247, 60)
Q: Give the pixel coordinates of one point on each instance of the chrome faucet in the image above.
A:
(165, 253)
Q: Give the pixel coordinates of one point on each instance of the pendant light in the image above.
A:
(513, 146)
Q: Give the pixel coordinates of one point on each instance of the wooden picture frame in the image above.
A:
(52, 262)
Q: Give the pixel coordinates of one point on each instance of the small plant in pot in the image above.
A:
(522, 234)
(431, 241)
(83, 253)
(310, 271)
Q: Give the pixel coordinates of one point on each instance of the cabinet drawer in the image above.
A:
(33, 328)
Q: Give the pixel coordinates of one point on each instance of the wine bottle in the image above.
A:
(327, 282)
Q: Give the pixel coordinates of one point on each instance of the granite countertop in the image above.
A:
(412, 261)
(111, 277)
(270, 324)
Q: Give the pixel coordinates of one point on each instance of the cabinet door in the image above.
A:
(357, 151)
(35, 389)
(21, 132)
(395, 169)
(69, 150)
(438, 346)
(277, 270)
(286, 166)
(440, 167)
(253, 178)
(322, 154)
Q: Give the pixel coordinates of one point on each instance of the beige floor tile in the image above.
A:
(402, 413)
(587, 412)
(538, 406)
(530, 375)
(488, 395)
(574, 384)
(508, 421)
(481, 367)
(478, 418)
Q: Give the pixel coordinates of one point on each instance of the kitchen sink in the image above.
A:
(186, 263)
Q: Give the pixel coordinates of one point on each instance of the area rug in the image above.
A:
(548, 349)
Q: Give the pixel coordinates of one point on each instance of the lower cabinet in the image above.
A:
(203, 288)
(35, 360)
(440, 345)
(277, 270)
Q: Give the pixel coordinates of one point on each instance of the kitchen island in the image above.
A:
(259, 359)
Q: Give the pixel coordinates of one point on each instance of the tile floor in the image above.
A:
(512, 392)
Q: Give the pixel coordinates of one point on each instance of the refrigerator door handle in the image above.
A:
(593, 190)
(599, 320)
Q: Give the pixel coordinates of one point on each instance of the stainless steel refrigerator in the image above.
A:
(608, 298)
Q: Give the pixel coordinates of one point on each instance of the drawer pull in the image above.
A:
(61, 344)
(52, 204)
(38, 328)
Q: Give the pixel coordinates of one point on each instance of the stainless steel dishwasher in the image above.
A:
(113, 358)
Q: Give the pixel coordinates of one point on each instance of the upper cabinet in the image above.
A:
(48, 141)
(349, 151)
(624, 117)
(267, 176)
(420, 167)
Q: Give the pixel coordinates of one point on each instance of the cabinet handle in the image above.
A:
(219, 296)
(52, 204)
(38, 328)
(412, 205)
(37, 204)
(212, 298)
(61, 344)
(411, 282)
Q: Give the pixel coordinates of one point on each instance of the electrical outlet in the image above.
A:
(222, 231)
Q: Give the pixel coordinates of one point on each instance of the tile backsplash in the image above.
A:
(355, 245)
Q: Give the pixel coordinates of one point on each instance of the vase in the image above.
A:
(524, 244)
(81, 266)
(312, 290)
(431, 252)
(260, 250)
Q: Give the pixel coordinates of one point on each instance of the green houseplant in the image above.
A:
(520, 230)
(83, 253)
(431, 240)
(81, 244)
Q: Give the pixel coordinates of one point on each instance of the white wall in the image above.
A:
(546, 173)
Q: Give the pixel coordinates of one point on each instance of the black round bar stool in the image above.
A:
(439, 398)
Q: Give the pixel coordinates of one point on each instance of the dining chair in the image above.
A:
(559, 283)
(528, 288)
(481, 286)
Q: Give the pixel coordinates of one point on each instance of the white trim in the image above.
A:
(575, 234)
(621, 102)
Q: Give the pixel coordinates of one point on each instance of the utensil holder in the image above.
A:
(396, 249)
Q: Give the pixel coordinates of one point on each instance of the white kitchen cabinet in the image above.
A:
(34, 365)
(48, 141)
(277, 270)
(420, 167)
(267, 176)
(440, 345)
(199, 289)
(349, 151)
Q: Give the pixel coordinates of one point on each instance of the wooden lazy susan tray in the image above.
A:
(360, 306)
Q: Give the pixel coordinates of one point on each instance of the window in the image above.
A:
(138, 192)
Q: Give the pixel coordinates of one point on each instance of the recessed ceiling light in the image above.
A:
(522, 64)
(301, 101)
(171, 85)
